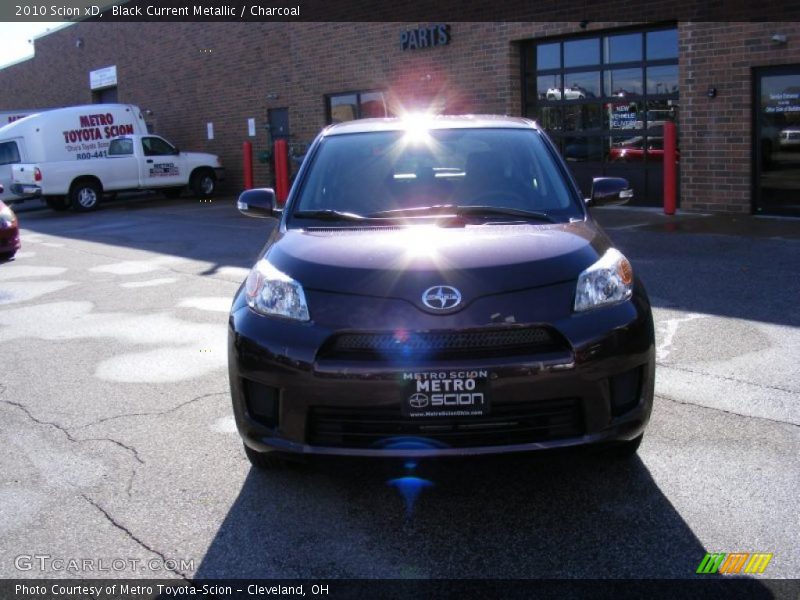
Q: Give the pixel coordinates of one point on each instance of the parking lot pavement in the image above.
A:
(118, 439)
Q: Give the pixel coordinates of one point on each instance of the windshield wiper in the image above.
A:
(328, 214)
(416, 210)
(453, 209)
(499, 210)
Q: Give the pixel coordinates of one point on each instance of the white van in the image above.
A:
(70, 157)
(63, 134)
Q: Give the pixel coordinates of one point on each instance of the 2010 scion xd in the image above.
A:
(438, 287)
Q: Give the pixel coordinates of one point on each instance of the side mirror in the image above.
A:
(1, 188)
(258, 202)
(177, 151)
(608, 191)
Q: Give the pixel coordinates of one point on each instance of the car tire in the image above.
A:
(57, 203)
(173, 192)
(625, 449)
(7, 256)
(265, 461)
(85, 195)
(203, 183)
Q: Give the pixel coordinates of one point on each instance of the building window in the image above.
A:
(595, 95)
(355, 105)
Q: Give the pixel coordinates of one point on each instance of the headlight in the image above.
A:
(608, 281)
(273, 293)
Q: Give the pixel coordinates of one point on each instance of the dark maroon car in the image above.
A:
(9, 231)
(437, 287)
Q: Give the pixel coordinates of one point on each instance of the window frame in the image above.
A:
(358, 94)
(532, 104)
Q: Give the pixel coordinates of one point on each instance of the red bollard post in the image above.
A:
(247, 151)
(281, 154)
(670, 167)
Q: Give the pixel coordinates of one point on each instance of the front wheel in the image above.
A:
(85, 195)
(203, 183)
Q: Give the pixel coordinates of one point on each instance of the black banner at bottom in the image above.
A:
(336, 589)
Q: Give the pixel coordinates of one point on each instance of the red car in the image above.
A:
(9, 232)
(634, 151)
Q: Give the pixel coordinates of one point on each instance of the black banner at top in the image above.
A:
(413, 10)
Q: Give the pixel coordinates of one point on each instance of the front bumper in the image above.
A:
(561, 397)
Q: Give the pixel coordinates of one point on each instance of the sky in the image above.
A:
(15, 36)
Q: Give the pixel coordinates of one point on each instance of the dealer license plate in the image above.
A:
(460, 393)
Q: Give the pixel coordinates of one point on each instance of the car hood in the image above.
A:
(478, 260)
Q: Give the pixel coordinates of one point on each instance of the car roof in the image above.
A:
(433, 122)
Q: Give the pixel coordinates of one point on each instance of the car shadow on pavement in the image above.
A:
(567, 515)
(214, 232)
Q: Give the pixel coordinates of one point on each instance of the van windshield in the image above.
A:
(376, 173)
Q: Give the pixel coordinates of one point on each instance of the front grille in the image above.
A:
(517, 423)
(482, 343)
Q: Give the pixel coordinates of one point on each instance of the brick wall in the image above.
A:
(189, 74)
(716, 133)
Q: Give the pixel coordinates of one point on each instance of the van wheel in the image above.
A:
(265, 461)
(85, 195)
(57, 202)
(173, 192)
(203, 183)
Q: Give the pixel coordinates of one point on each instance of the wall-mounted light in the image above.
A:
(79, 43)
(583, 24)
(272, 96)
(712, 92)
(148, 112)
(778, 38)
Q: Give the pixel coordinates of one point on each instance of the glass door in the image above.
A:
(777, 141)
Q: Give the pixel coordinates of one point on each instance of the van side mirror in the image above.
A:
(177, 151)
(258, 202)
(608, 191)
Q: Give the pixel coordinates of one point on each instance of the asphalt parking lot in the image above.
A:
(118, 439)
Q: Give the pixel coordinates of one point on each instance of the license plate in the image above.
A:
(442, 394)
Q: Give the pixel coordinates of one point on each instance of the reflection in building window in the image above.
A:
(662, 80)
(623, 48)
(626, 99)
(579, 53)
(662, 44)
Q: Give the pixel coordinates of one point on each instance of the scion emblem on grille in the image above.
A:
(441, 297)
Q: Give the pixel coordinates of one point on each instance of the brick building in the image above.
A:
(603, 90)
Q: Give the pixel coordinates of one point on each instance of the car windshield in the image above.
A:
(485, 173)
